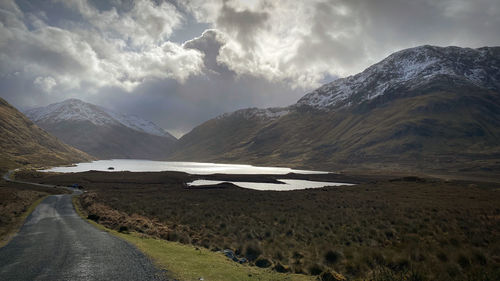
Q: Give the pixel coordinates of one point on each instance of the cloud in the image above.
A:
(147, 22)
(244, 25)
(179, 107)
(45, 83)
(280, 41)
(89, 56)
(301, 42)
(209, 44)
(295, 42)
(129, 54)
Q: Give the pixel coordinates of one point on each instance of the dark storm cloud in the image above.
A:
(334, 27)
(181, 62)
(244, 25)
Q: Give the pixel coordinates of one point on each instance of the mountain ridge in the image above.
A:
(24, 143)
(437, 118)
(103, 133)
(408, 69)
(75, 109)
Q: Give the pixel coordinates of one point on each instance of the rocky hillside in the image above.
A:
(24, 143)
(103, 133)
(421, 109)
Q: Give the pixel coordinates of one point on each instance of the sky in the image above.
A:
(179, 63)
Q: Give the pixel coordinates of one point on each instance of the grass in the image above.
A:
(438, 230)
(190, 263)
(186, 263)
(10, 230)
(17, 202)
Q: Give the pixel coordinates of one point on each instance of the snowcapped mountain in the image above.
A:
(77, 110)
(258, 113)
(407, 70)
(24, 143)
(101, 132)
(140, 125)
(421, 109)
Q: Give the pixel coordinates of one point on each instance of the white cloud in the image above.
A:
(293, 42)
(145, 23)
(275, 40)
(82, 56)
(253, 52)
(300, 42)
(45, 83)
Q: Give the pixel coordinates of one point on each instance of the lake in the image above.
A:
(286, 186)
(198, 168)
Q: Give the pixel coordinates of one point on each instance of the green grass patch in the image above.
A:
(188, 263)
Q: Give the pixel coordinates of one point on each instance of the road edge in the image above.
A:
(4, 240)
(19, 224)
(139, 241)
(79, 211)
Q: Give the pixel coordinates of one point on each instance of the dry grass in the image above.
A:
(185, 262)
(384, 230)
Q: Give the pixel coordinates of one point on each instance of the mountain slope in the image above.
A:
(23, 143)
(421, 109)
(408, 71)
(101, 132)
(226, 134)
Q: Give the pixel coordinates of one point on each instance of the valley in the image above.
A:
(388, 228)
(419, 110)
(249, 140)
(396, 172)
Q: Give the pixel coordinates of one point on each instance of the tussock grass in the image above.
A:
(185, 262)
(190, 263)
(438, 229)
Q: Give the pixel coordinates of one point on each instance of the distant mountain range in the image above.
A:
(24, 143)
(101, 132)
(420, 109)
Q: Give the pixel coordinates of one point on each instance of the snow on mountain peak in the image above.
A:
(409, 68)
(71, 109)
(258, 113)
(77, 110)
(139, 124)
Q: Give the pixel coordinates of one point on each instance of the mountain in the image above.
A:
(409, 71)
(421, 109)
(24, 143)
(103, 133)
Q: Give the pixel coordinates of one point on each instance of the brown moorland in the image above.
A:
(401, 229)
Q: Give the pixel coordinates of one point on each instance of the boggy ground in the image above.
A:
(402, 229)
